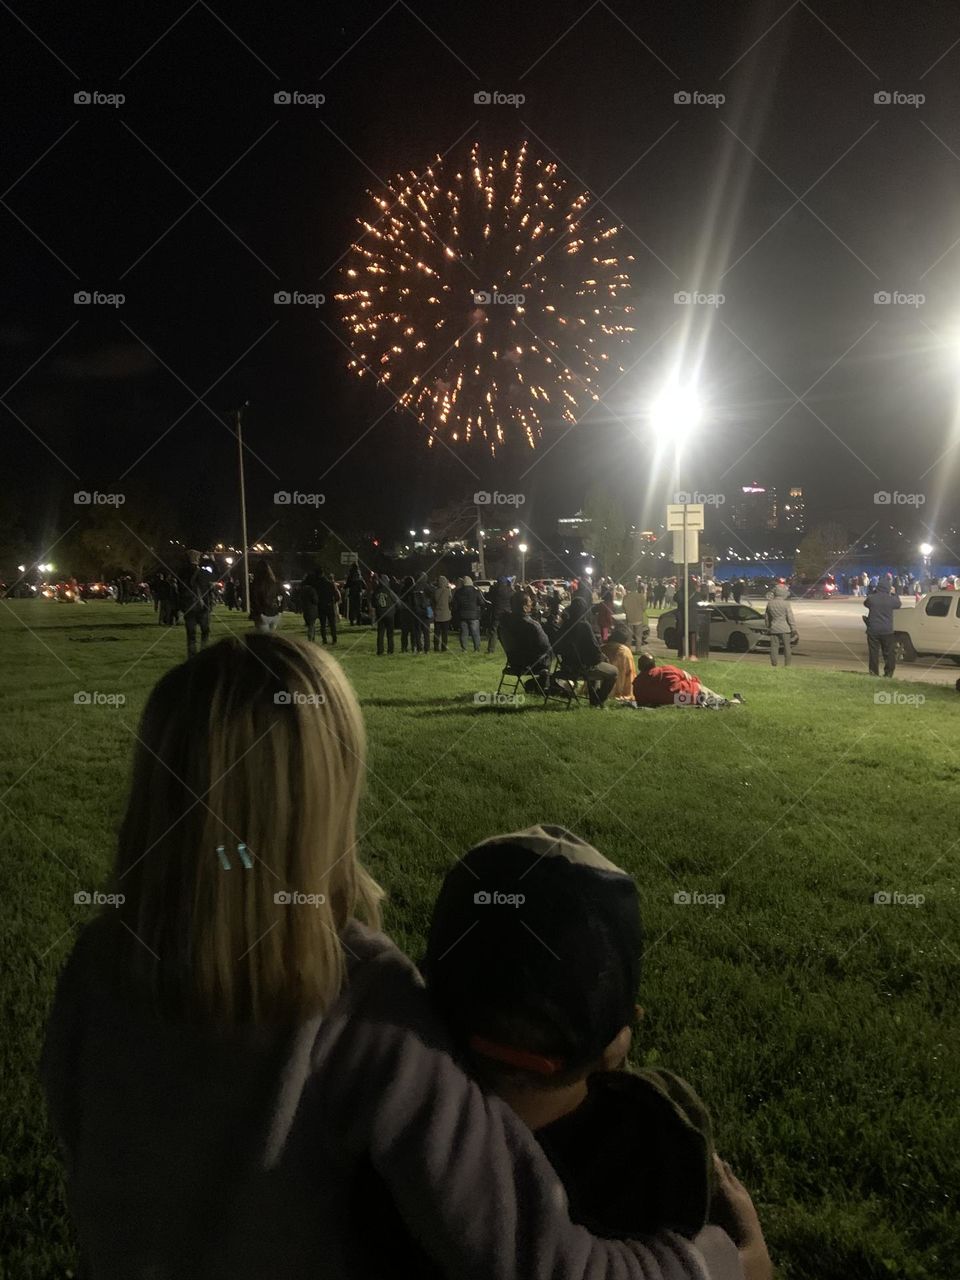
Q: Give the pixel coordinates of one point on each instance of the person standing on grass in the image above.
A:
(309, 606)
(244, 1085)
(635, 613)
(422, 613)
(880, 606)
(195, 591)
(405, 616)
(780, 623)
(354, 586)
(468, 603)
(328, 597)
(605, 615)
(385, 603)
(498, 601)
(441, 614)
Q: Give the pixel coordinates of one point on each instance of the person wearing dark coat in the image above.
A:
(354, 585)
(195, 591)
(328, 597)
(498, 601)
(881, 638)
(524, 641)
(581, 655)
(384, 602)
(467, 604)
(309, 606)
(405, 615)
(422, 600)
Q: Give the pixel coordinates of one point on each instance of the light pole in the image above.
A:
(243, 509)
(480, 559)
(675, 414)
(522, 548)
(926, 550)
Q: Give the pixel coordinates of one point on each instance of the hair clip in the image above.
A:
(224, 860)
(244, 856)
(241, 853)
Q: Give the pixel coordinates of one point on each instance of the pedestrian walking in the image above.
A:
(328, 597)
(309, 606)
(195, 591)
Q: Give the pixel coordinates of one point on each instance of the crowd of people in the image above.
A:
(247, 1078)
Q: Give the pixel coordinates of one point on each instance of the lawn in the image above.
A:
(821, 1027)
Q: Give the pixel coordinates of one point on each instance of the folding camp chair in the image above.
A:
(562, 683)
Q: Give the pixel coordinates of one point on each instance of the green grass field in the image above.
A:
(821, 1028)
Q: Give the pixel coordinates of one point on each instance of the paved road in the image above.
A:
(832, 635)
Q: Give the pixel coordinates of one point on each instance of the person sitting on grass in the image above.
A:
(616, 650)
(525, 642)
(235, 1051)
(581, 656)
(660, 685)
(533, 961)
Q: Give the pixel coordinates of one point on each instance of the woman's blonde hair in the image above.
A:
(250, 753)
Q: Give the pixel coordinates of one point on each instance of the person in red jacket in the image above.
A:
(666, 686)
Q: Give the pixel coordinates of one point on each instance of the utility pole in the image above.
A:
(480, 560)
(243, 508)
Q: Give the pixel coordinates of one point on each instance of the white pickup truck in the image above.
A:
(931, 627)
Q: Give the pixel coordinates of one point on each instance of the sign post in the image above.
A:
(685, 518)
(349, 557)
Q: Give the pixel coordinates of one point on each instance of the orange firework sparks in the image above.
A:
(487, 297)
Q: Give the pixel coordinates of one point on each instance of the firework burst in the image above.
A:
(486, 297)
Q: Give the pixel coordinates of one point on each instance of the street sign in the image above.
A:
(692, 549)
(675, 515)
(349, 557)
(707, 566)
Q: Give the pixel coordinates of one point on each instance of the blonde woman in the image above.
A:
(236, 1054)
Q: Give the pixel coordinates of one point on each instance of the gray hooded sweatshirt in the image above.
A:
(780, 619)
(880, 605)
(242, 1156)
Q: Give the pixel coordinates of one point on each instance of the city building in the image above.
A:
(755, 508)
(793, 514)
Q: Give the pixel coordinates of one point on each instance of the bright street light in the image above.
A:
(426, 533)
(926, 549)
(676, 412)
(522, 548)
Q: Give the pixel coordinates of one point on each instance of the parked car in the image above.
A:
(735, 627)
(932, 627)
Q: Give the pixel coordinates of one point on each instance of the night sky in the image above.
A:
(797, 199)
